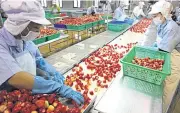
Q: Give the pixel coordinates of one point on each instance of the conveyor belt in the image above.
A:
(81, 50)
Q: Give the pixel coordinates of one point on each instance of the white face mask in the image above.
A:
(30, 36)
(157, 21)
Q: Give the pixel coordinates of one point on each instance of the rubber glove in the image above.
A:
(155, 44)
(51, 71)
(42, 86)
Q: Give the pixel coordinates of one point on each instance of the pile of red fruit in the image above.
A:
(141, 26)
(99, 69)
(156, 64)
(48, 31)
(22, 101)
(79, 21)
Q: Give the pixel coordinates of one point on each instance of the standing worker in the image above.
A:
(20, 59)
(138, 11)
(168, 40)
(55, 7)
(119, 13)
(91, 10)
(168, 31)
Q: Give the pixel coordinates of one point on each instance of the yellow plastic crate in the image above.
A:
(44, 49)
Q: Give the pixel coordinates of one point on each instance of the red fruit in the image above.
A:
(51, 98)
(3, 92)
(64, 109)
(42, 110)
(33, 107)
(34, 112)
(30, 98)
(16, 109)
(91, 93)
(58, 109)
(10, 105)
(17, 92)
(106, 86)
(25, 110)
(43, 98)
(40, 103)
(1, 99)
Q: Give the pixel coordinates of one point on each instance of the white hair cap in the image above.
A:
(162, 6)
(21, 12)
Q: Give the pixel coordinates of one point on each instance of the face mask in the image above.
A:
(30, 36)
(157, 21)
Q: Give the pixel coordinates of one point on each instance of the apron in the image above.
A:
(158, 40)
(25, 60)
(171, 82)
(27, 63)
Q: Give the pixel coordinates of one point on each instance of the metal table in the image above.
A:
(81, 50)
(130, 95)
(48, 42)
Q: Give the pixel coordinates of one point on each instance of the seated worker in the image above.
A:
(168, 32)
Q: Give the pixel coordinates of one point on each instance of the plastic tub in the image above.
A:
(54, 36)
(62, 26)
(101, 22)
(89, 25)
(40, 40)
(117, 27)
(143, 73)
(76, 27)
(95, 23)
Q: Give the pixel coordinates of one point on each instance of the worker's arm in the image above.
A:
(39, 85)
(22, 80)
(42, 64)
(169, 40)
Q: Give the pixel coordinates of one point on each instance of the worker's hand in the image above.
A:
(50, 70)
(155, 44)
(42, 86)
(70, 93)
(58, 77)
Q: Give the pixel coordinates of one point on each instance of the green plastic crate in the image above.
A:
(89, 25)
(49, 15)
(143, 73)
(117, 27)
(95, 23)
(54, 36)
(101, 22)
(76, 27)
(40, 40)
(109, 17)
(142, 86)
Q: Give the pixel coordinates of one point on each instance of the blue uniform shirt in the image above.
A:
(170, 34)
(118, 13)
(9, 66)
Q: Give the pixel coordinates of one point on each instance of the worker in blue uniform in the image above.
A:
(168, 32)
(119, 13)
(20, 59)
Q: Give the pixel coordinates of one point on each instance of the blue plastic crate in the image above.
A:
(126, 21)
(63, 26)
